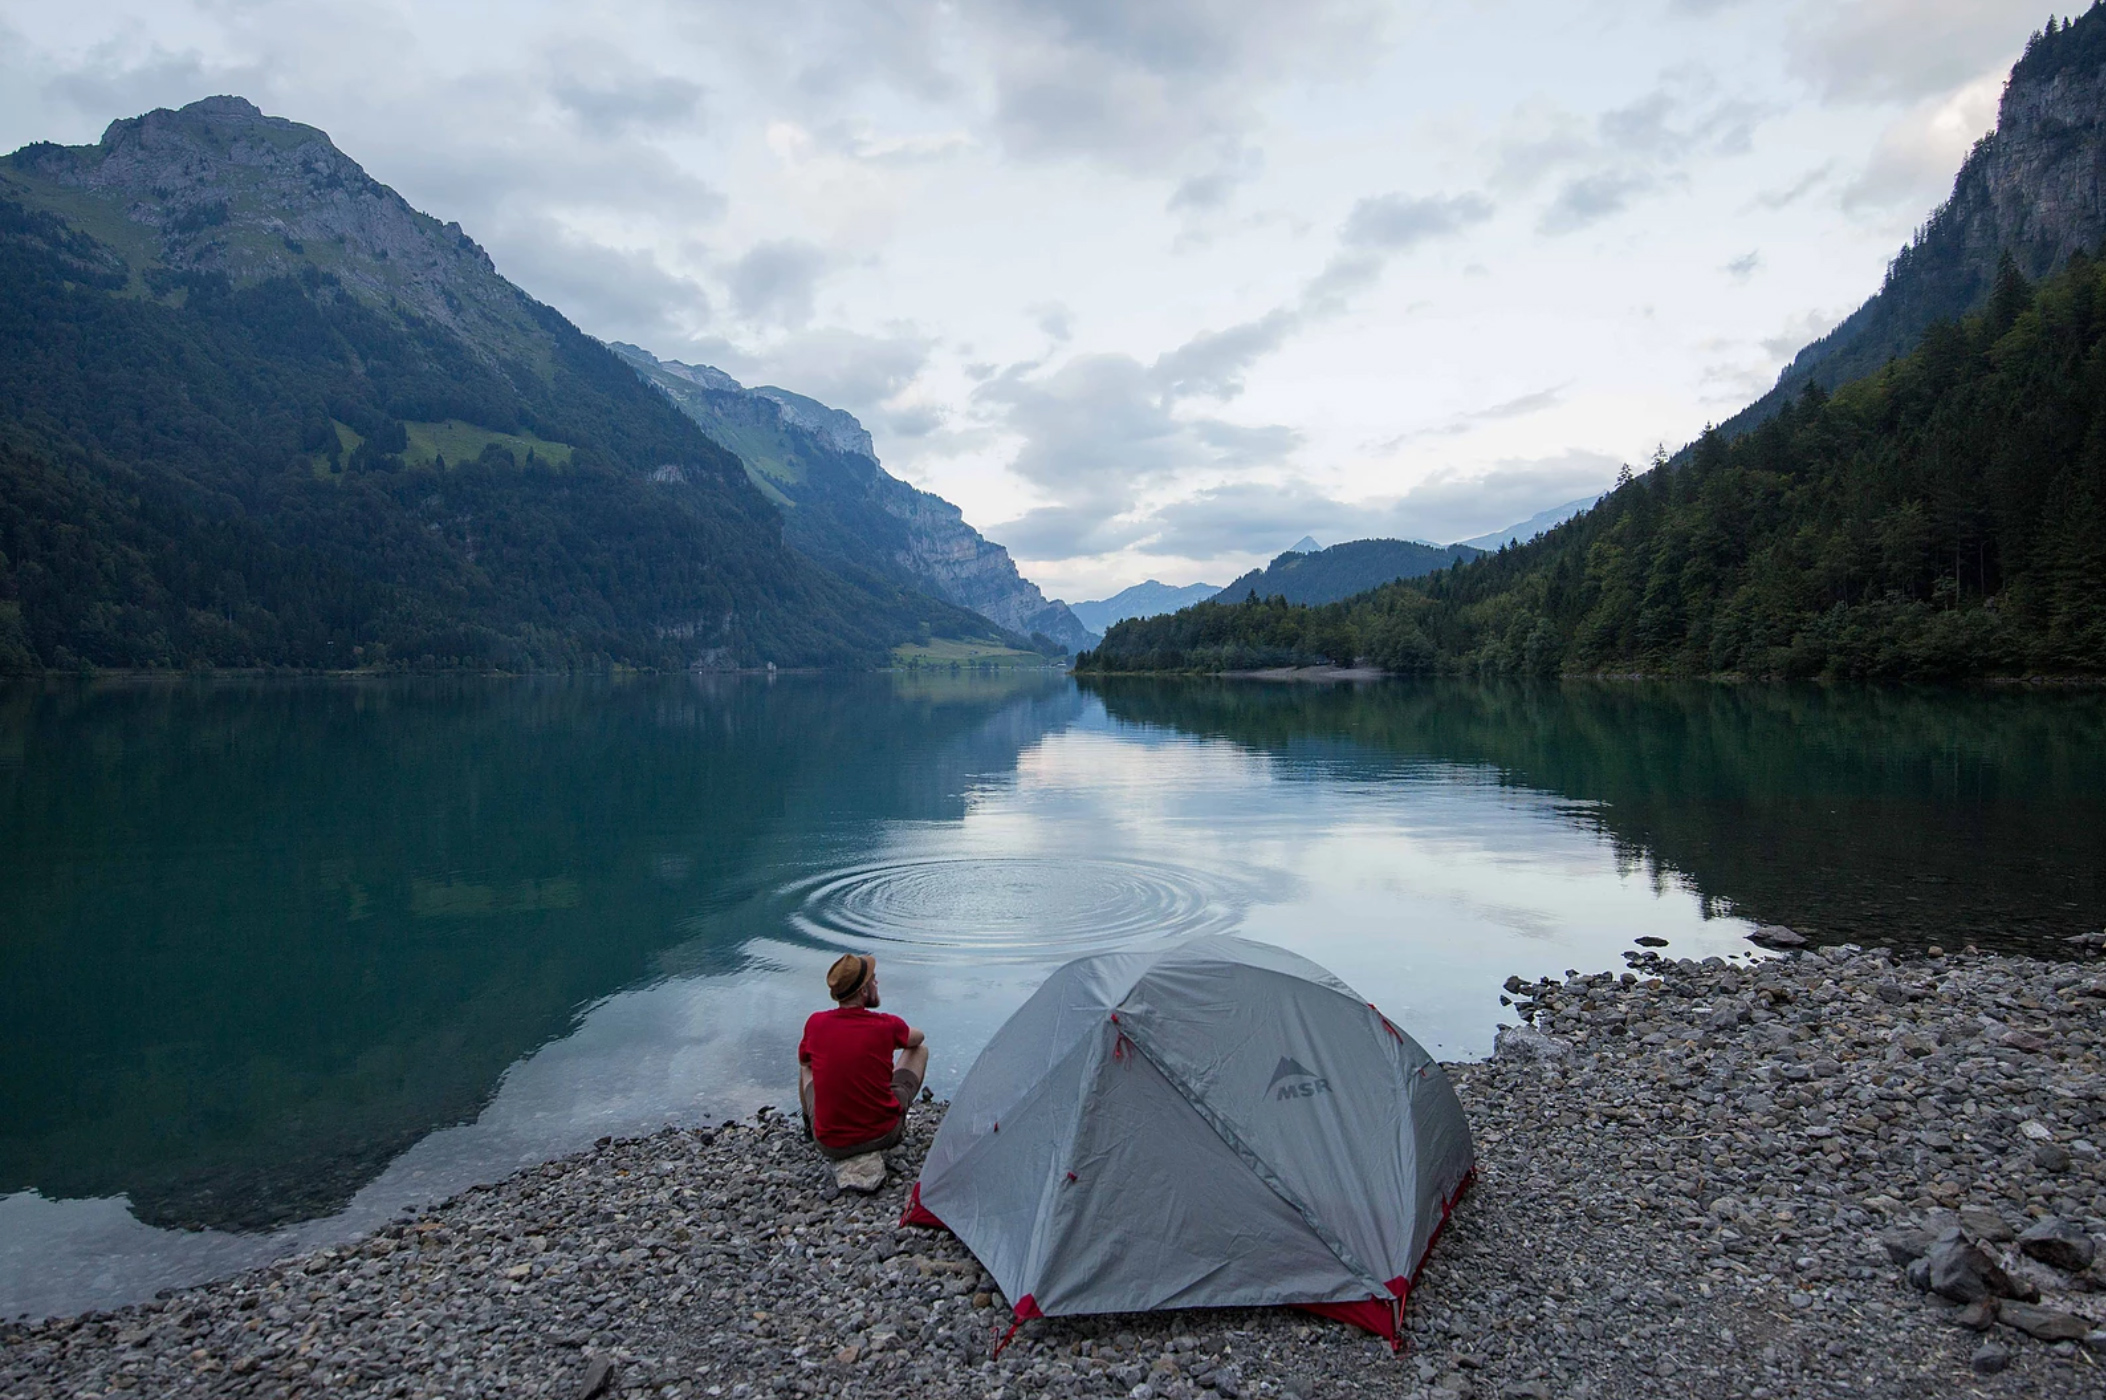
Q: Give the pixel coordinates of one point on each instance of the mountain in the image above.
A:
(1939, 515)
(1142, 600)
(1942, 519)
(255, 410)
(1305, 545)
(1344, 569)
(841, 507)
(2030, 191)
(1531, 527)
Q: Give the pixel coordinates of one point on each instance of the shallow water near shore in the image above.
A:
(278, 959)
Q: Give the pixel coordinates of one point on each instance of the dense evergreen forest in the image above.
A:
(198, 473)
(1943, 518)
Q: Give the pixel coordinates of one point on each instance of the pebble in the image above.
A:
(1715, 1182)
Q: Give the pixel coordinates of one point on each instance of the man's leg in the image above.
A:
(916, 1063)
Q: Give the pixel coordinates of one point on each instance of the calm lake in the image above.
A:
(279, 959)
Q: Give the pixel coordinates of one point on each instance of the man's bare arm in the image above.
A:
(914, 1037)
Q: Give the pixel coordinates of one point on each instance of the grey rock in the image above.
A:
(1960, 1270)
(2051, 1156)
(2044, 1324)
(1905, 1243)
(599, 1373)
(1984, 1225)
(865, 1173)
(1777, 936)
(1528, 1044)
(2059, 1244)
(1989, 1358)
(1978, 1316)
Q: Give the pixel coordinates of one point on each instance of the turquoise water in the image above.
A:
(280, 958)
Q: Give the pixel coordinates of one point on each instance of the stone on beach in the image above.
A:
(2058, 1243)
(1527, 1043)
(865, 1173)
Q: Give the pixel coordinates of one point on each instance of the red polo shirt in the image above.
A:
(850, 1052)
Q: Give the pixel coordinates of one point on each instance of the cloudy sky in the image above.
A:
(1150, 288)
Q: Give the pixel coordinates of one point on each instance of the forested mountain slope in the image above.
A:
(256, 410)
(842, 507)
(1327, 575)
(1943, 518)
(2031, 189)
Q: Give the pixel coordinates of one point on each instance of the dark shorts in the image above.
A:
(905, 1085)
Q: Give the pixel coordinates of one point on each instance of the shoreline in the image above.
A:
(1692, 1178)
(1719, 678)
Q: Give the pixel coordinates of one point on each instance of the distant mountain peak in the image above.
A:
(219, 187)
(706, 376)
(2029, 190)
(1354, 566)
(1305, 545)
(1528, 529)
(841, 505)
(1149, 599)
(836, 427)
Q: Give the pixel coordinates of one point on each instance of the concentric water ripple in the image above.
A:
(1014, 909)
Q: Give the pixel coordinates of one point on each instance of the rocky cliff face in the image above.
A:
(2032, 188)
(844, 507)
(964, 567)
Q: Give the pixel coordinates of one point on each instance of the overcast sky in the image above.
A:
(1150, 288)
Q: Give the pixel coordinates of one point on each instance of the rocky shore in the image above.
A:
(1823, 1174)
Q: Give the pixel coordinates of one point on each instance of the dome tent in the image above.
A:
(1211, 1123)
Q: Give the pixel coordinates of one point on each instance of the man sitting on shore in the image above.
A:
(855, 1097)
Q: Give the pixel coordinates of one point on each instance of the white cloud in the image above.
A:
(1913, 164)
(1907, 50)
(772, 283)
(1588, 199)
(862, 373)
(1138, 86)
(1260, 518)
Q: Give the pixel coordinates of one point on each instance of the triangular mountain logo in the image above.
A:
(1289, 1069)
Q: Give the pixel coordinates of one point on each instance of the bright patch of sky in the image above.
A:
(1150, 290)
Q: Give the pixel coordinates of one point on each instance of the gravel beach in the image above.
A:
(1822, 1174)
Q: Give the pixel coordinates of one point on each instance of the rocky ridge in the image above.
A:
(2031, 189)
(219, 187)
(1693, 1179)
(820, 462)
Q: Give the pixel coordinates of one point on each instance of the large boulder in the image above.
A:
(2058, 1243)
